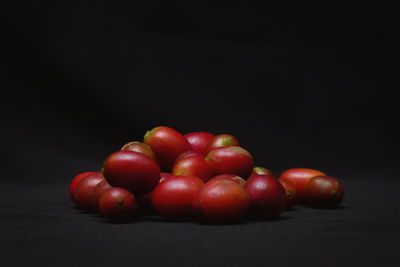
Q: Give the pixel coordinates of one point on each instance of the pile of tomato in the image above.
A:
(200, 176)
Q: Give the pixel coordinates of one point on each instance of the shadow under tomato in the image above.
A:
(126, 221)
(251, 218)
(237, 222)
(328, 208)
(153, 218)
(157, 218)
(291, 209)
(82, 211)
(97, 215)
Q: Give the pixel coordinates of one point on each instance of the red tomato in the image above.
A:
(261, 170)
(299, 178)
(324, 192)
(230, 177)
(164, 175)
(98, 191)
(267, 196)
(117, 204)
(75, 182)
(221, 201)
(186, 154)
(131, 170)
(198, 140)
(140, 148)
(291, 193)
(230, 160)
(84, 190)
(172, 198)
(167, 144)
(144, 201)
(221, 140)
(192, 164)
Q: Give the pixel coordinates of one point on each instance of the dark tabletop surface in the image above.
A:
(41, 226)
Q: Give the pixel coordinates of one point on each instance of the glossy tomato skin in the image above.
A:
(172, 198)
(84, 190)
(75, 182)
(117, 204)
(220, 140)
(167, 144)
(164, 175)
(267, 196)
(144, 201)
(291, 193)
(199, 140)
(221, 201)
(261, 170)
(324, 192)
(140, 148)
(230, 177)
(186, 154)
(193, 164)
(98, 191)
(230, 160)
(299, 178)
(131, 170)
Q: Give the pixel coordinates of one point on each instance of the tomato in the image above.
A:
(324, 192)
(75, 182)
(198, 140)
(291, 193)
(299, 178)
(267, 196)
(144, 201)
(221, 201)
(230, 177)
(261, 170)
(221, 140)
(230, 160)
(192, 164)
(84, 190)
(98, 191)
(186, 154)
(131, 170)
(164, 175)
(167, 144)
(172, 198)
(139, 147)
(117, 204)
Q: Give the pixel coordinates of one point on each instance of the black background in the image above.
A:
(298, 84)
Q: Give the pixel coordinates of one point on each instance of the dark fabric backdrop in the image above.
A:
(299, 85)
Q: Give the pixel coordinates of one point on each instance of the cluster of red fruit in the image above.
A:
(197, 175)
